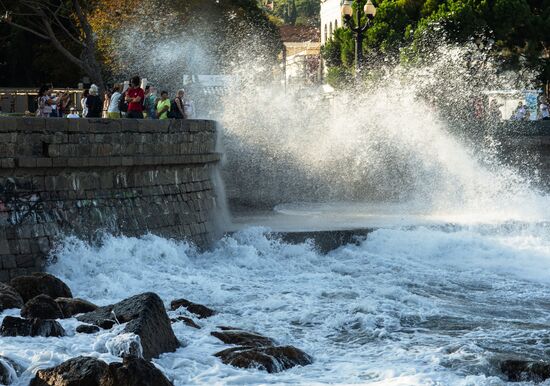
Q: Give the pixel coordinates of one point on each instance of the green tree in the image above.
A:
(517, 31)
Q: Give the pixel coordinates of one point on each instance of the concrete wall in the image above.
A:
(60, 176)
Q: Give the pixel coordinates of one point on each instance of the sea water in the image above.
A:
(405, 306)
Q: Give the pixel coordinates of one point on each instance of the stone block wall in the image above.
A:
(87, 176)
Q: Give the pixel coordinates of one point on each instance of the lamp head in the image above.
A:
(370, 10)
(346, 9)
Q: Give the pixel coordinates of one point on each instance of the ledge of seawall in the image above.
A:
(84, 176)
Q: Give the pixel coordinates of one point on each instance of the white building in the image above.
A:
(331, 18)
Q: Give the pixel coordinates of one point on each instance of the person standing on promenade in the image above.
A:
(93, 103)
(150, 102)
(134, 97)
(64, 103)
(106, 103)
(45, 102)
(177, 110)
(113, 112)
(163, 106)
(83, 102)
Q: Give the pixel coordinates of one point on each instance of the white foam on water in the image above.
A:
(415, 306)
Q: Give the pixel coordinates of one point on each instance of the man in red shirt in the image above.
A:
(134, 97)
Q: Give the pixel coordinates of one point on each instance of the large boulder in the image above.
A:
(40, 283)
(79, 371)
(525, 371)
(134, 372)
(87, 371)
(42, 307)
(197, 309)
(243, 338)
(74, 306)
(146, 317)
(270, 359)
(9, 297)
(13, 326)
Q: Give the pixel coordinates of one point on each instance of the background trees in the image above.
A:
(63, 24)
(109, 40)
(515, 31)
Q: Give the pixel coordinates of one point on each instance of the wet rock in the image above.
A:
(243, 338)
(79, 371)
(74, 306)
(9, 371)
(525, 371)
(225, 328)
(185, 320)
(13, 326)
(87, 329)
(40, 283)
(133, 372)
(197, 309)
(9, 297)
(270, 359)
(146, 317)
(42, 307)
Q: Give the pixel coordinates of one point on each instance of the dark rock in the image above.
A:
(243, 338)
(74, 306)
(87, 329)
(40, 283)
(42, 307)
(79, 371)
(146, 317)
(197, 309)
(225, 328)
(270, 359)
(9, 297)
(9, 371)
(525, 371)
(134, 372)
(12, 326)
(185, 320)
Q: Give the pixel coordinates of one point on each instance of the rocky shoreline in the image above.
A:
(147, 333)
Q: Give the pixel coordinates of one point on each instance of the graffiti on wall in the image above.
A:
(16, 204)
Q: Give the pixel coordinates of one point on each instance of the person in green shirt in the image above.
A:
(163, 106)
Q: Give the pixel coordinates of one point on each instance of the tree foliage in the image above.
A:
(297, 12)
(110, 39)
(518, 31)
(63, 24)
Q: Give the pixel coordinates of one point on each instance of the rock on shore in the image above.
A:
(40, 283)
(146, 317)
(43, 307)
(9, 297)
(13, 326)
(258, 351)
(87, 371)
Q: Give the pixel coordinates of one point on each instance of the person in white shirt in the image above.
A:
(73, 114)
(83, 101)
(113, 111)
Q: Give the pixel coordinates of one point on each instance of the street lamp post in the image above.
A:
(357, 28)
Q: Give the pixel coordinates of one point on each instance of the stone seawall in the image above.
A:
(85, 176)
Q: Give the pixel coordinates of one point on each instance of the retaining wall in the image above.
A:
(85, 176)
